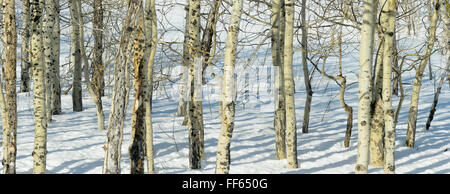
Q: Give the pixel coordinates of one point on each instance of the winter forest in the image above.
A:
(225, 86)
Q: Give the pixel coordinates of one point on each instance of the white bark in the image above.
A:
(365, 85)
(227, 125)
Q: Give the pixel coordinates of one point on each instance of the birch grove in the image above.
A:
(226, 81)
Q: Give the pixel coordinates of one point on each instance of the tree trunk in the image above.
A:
(365, 85)
(182, 101)
(389, 138)
(77, 101)
(25, 64)
(120, 93)
(412, 117)
(137, 139)
(446, 71)
(10, 134)
(150, 24)
(97, 63)
(49, 56)
(291, 123)
(277, 52)
(227, 125)
(56, 86)
(309, 92)
(194, 111)
(40, 142)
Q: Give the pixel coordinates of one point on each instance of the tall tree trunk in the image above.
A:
(389, 138)
(97, 63)
(291, 123)
(10, 134)
(25, 64)
(56, 86)
(309, 91)
(48, 25)
(151, 39)
(40, 140)
(365, 85)
(277, 52)
(446, 71)
(94, 94)
(227, 125)
(182, 101)
(194, 111)
(137, 139)
(120, 92)
(77, 101)
(412, 117)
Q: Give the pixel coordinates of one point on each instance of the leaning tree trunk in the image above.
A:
(10, 134)
(277, 52)
(412, 117)
(365, 85)
(291, 123)
(389, 138)
(446, 71)
(77, 101)
(137, 139)
(40, 140)
(151, 39)
(25, 64)
(309, 92)
(227, 125)
(120, 92)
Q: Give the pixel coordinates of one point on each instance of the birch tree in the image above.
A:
(291, 123)
(412, 117)
(277, 30)
(151, 39)
(194, 107)
(120, 92)
(227, 123)
(49, 56)
(137, 139)
(76, 57)
(365, 85)
(309, 92)
(55, 81)
(40, 140)
(25, 61)
(97, 63)
(10, 134)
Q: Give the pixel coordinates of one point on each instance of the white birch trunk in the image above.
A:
(227, 125)
(365, 85)
(291, 123)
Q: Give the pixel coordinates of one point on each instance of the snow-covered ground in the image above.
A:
(75, 145)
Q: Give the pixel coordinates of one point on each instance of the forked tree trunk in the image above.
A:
(291, 122)
(412, 117)
(365, 85)
(10, 134)
(120, 92)
(227, 125)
